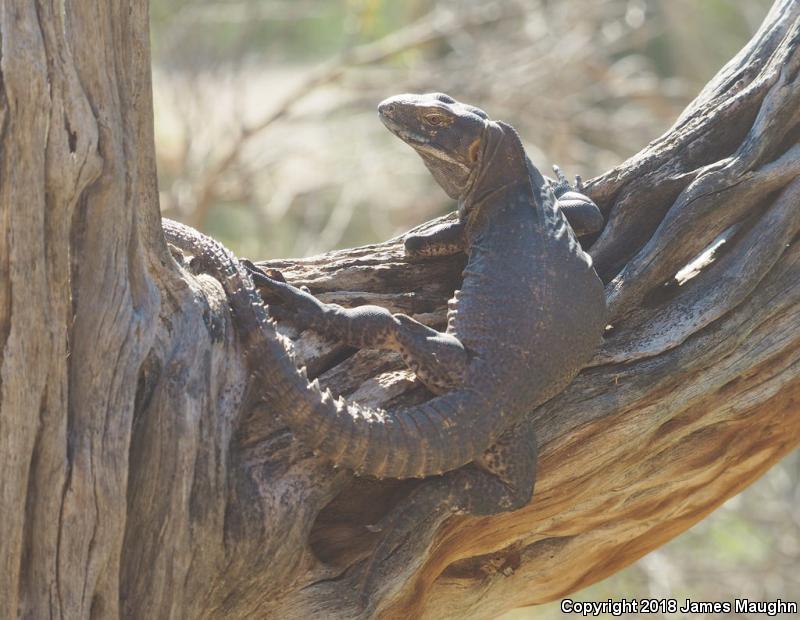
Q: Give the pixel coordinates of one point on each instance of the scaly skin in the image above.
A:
(527, 317)
(529, 314)
(267, 354)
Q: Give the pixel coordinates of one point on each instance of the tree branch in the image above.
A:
(141, 477)
(691, 398)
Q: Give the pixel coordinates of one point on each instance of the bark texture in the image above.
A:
(140, 477)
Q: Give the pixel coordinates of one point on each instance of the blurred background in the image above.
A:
(267, 138)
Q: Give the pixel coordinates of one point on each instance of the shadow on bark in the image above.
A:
(142, 478)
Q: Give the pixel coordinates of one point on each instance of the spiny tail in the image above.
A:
(434, 437)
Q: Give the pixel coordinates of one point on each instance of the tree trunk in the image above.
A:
(141, 478)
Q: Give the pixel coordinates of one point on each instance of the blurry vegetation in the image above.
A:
(267, 138)
(267, 131)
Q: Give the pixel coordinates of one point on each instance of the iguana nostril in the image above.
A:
(386, 109)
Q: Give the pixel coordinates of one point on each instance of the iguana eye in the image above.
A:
(434, 118)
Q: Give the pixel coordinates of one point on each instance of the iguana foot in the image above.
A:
(286, 302)
(562, 184)
(581, 212)
(257, 272)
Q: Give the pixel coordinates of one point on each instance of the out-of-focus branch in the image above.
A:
(243, 12)
(438, 24)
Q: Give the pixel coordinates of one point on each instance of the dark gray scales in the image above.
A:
(529, 314)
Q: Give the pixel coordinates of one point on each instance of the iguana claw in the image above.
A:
(562, 184)
(287, 303)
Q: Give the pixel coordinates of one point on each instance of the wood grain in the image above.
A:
(141, 477)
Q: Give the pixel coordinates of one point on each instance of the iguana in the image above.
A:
(529, 314)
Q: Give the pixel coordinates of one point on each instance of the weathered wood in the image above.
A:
(140, 477)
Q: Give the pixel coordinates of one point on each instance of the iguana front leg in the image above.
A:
(501, 480)
(438, 359)
(442, 240)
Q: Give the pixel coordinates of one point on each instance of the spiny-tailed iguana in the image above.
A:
(529, 314)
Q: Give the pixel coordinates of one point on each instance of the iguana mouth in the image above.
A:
(419, 142)
(401, 132)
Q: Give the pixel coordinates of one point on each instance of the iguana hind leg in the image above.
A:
(438, 359)
(501, 480)
(581, 212)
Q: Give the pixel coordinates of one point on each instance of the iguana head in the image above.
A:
(448, 135)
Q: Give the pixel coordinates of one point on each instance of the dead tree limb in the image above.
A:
(139, 477)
